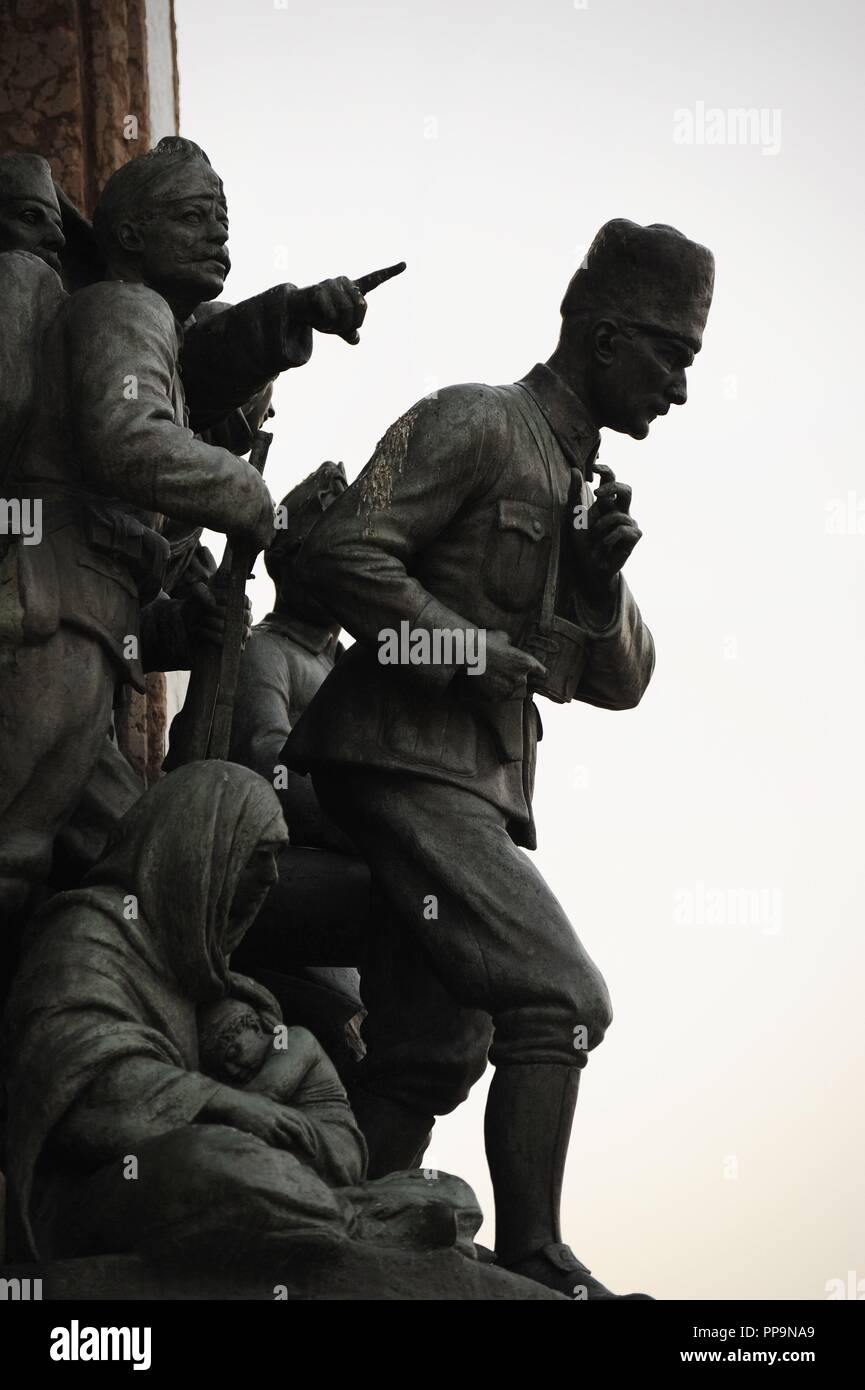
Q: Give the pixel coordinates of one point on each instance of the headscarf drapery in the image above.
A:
(112, 972)
(181, 850)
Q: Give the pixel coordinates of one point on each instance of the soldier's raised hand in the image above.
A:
(335, 306)
(605, 543)
(339, 306)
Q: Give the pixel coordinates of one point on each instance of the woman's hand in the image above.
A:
(278, 1125)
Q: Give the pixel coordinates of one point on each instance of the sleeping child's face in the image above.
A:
(232, 1043)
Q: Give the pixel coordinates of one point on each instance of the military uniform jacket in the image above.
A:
(109, 456)
(454, 523)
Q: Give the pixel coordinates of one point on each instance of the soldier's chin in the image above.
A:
(629, 422)
(638, 427)
(209, 281)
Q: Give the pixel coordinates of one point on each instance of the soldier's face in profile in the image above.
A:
(29, 224)
(184, 251)
(642, 377)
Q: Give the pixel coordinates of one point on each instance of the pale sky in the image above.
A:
(707, 845)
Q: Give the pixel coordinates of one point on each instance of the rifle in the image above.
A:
(205, 720)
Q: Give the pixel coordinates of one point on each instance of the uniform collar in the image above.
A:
(566, 415)
(313, 637)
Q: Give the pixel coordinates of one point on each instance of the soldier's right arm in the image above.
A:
(358, 557)
(121, 344)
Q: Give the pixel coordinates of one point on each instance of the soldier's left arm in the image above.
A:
(231, 353)
(620, 654)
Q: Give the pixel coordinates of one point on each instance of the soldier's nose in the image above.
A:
(677, 391)
(217, 231)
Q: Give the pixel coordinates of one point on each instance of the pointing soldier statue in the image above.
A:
(464, 521)
(109, 455)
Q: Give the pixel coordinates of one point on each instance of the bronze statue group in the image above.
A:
(263, 977)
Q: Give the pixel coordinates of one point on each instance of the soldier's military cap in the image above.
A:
(654, 276)
(27, 177)
(300, 509)
(175, 168)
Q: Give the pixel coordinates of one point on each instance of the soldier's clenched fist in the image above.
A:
(339, 306)
(604, 544)
(334, 306)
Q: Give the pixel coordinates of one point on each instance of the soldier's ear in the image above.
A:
(129, 237)
(606, 338)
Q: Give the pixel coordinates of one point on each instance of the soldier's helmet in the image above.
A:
(299, 511)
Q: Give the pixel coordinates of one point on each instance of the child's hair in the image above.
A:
(218, 1025)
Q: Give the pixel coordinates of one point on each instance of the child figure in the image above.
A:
(290, 1066)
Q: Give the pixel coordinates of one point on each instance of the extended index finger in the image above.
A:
(365, 283)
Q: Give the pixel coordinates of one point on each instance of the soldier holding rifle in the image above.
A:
(109, 455)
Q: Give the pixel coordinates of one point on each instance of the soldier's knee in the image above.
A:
(434, 1075)
(463, 1075)
(594, 1013)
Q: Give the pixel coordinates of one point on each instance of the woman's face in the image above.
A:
(256, 880)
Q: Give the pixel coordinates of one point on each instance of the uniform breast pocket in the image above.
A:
(110, 570)
(517, 554)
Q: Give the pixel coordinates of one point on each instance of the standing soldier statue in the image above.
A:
(474, 520)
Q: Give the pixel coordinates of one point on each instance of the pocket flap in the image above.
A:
(110, 569)
(528, 518)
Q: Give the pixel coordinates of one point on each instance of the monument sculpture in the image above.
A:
(265, 978)
(117, 1136)
(107, 454)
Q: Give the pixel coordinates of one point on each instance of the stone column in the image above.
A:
(90, 84)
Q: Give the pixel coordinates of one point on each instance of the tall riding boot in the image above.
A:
(530, 1110)
(396, 1136)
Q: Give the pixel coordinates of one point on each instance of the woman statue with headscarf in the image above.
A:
(119, 1141)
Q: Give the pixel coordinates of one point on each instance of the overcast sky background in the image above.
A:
(718, 1148)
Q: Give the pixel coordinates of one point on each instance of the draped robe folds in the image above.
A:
(101, 1024)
